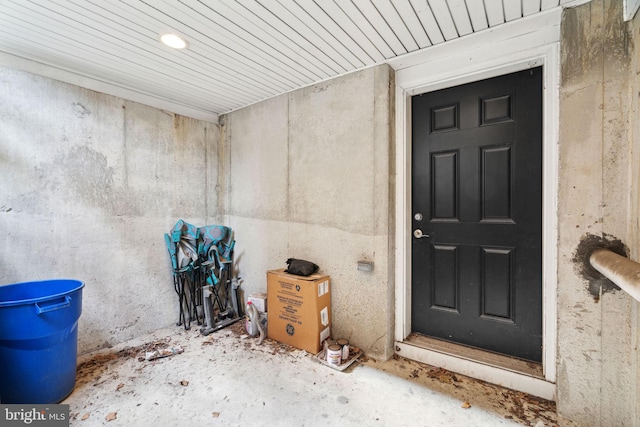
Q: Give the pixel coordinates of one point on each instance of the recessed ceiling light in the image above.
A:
(173, 41)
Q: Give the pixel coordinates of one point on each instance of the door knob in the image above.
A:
(418, 234)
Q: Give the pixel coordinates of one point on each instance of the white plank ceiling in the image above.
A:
(240, 51)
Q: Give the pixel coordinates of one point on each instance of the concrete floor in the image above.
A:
(226, 379)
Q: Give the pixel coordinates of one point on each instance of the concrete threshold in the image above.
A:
(226, 379)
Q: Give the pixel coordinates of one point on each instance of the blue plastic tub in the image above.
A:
(39, 340)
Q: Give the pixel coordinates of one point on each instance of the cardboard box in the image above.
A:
(299, 309)
(259, 299)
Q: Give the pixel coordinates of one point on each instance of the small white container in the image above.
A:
(334, 354)
(344, 347)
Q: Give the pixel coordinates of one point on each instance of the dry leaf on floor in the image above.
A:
(85, 416)
(216, 414)
(184, 382)
(111, 416)
(446, 379)
(466, 405)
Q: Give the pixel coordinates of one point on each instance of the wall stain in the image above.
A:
(89, 176)
(82, 174)
(80, 110)
(591, 43)
(595, 280)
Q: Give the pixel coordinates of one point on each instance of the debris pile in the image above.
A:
(517, 406)
(165, 352)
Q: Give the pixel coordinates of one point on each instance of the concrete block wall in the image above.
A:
(309, 176)
(598, 375)
(89, 183)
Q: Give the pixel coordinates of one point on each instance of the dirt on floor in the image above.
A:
(520, 407)
(101, 368)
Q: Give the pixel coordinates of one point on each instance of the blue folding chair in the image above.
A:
(219, 290)
(182, 246)
(202, 262)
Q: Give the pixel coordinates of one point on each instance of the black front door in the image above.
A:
(477, 214)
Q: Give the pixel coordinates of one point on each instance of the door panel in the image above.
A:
(445, 284)
(477, 181)
(444, 167)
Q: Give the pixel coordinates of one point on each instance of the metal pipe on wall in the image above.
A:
(620, 270)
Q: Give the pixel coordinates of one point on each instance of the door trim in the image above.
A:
(511, 47)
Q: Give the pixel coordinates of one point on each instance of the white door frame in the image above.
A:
(523, 44)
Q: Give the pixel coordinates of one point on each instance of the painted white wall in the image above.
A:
(89, 185)
(309, 177)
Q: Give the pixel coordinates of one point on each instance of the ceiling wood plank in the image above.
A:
(323, 36)
(363, 32)
(114, 30)
(299, 41)
(410, 18)
(460, 14)
(512, 10)
(219, 23)
(217, 39)
(478, 15)
(428, 21)
(276, 42)
(240, 51)
(95, 61)
(344, 28)
(207, 100)
(495, 12)
(441, 12)
(377, 22)
(390, 14)
(181, 63)
(548, 4)
(529, 7)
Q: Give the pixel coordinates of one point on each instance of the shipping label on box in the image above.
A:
(300, 309)
(323, 288)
